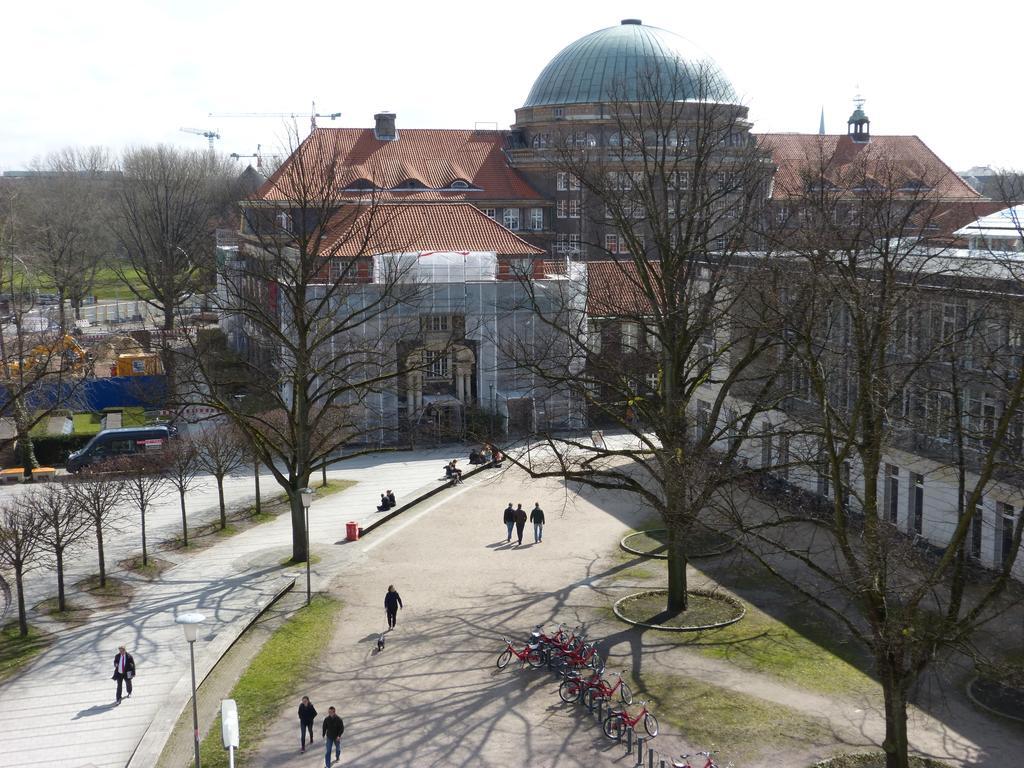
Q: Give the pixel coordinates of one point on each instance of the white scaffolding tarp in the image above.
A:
(436, 266)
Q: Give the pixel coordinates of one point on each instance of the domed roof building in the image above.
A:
(613, 63)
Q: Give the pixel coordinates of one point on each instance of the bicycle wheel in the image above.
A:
(504, 658)
(569, 690)
(613, 726)
(535, 658)
(651, 725)
(626, 694)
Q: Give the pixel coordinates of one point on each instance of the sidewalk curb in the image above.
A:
(147, 752)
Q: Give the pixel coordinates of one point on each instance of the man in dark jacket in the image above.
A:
(307, 714)
(509, 519)
(392, 602)
(520, 514)
(332, 729)
(124, 671)
(537, 518)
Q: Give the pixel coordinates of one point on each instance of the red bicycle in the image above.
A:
(708, 761)
(585, 655)
(602, 690)
(619, 720)
(530, 654)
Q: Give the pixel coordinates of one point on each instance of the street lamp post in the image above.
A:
(307, 500)
(492, 412)
(190, 624)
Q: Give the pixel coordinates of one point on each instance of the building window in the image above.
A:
(284, 221)
(766, 444)
(593, 337)
(490, 213)
(703, 417)
(977, 521)
(510, 218)
(611, 242)
(459, 185)
(562, 181)
(562, 209)
(574, 243)
(574, 209)
(652, 381)
(630, 337)
(522, 267)
(917, 503)
(892, 492)
(574, 183)
(437, 323)
(437, 364)
(559, 111)
(653, 341)
(536, 219)
(1004, 539)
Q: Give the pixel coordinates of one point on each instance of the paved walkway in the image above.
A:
(60, 710)
(435, 698)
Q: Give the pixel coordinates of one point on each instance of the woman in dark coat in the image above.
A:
(307, 714)
(392, 602)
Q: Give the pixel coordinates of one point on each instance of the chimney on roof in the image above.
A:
(384, 126)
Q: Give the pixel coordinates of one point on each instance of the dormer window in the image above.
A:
(360, 185)
(284, 221)
(460, 184)
(411, 184)
(914, 185)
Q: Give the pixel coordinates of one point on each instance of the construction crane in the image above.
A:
(258, 156)
(211, 135)
(313, 115)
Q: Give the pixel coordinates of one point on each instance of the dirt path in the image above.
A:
(434, 697)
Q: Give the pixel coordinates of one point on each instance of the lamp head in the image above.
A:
(190, 624)
(307, 497)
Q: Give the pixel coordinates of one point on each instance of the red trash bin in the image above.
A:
(352, 531)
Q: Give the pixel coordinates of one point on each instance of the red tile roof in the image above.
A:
(392, 228)
(614, 289)
(907, 157)
(433, 157)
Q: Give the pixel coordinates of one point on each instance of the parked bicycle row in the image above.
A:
(577, 661)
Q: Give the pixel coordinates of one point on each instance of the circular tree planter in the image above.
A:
(875, 760)
(654, 543)
(997, 697)
(708, 610)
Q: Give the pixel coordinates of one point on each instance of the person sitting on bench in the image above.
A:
(476, 457)
(384, 505)
(453, 472)
(496, 458)
(391, 499)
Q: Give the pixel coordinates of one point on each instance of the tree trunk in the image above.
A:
(323, 470)
(895, 742)
(62, 314)
(220, 500)
(299, 553)
(22, 616)
(61, 604)
(678, 600)
(99, 552)
(256, 480)
(142, 512)
(184, 518)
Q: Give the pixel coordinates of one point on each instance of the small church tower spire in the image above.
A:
(821, 123)
(858, 127)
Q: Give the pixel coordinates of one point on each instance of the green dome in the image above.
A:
(612, 61)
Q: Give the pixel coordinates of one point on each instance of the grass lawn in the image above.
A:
(742, 728)
(108, 284)
(16, 651)
(274, 678)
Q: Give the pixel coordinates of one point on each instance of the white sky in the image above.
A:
(120, 72)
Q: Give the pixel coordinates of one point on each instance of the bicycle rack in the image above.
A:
(640, 751)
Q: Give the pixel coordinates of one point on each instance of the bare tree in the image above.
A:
(98, 495)
(143, 484)
(63, 525)
(168, 205)
(66, 211)
(222, 451)
(182, 464)
(675, 333)
(876, 324)
(21, 548)
(320, 318)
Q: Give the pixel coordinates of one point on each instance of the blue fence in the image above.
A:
(148, 392)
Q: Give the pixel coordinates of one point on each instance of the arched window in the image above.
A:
(459, 184)
(411, 184)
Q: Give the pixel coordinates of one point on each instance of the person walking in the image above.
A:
(537, 518)
(392, 602)
(510, 520)
(520, 514)
(307, 714)
(124, 671)
(333, 727)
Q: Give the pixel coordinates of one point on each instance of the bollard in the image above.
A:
(590, 701)
(663, 764)
(640, 751)
(600, 710)
(650, 758)
(629, 740)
